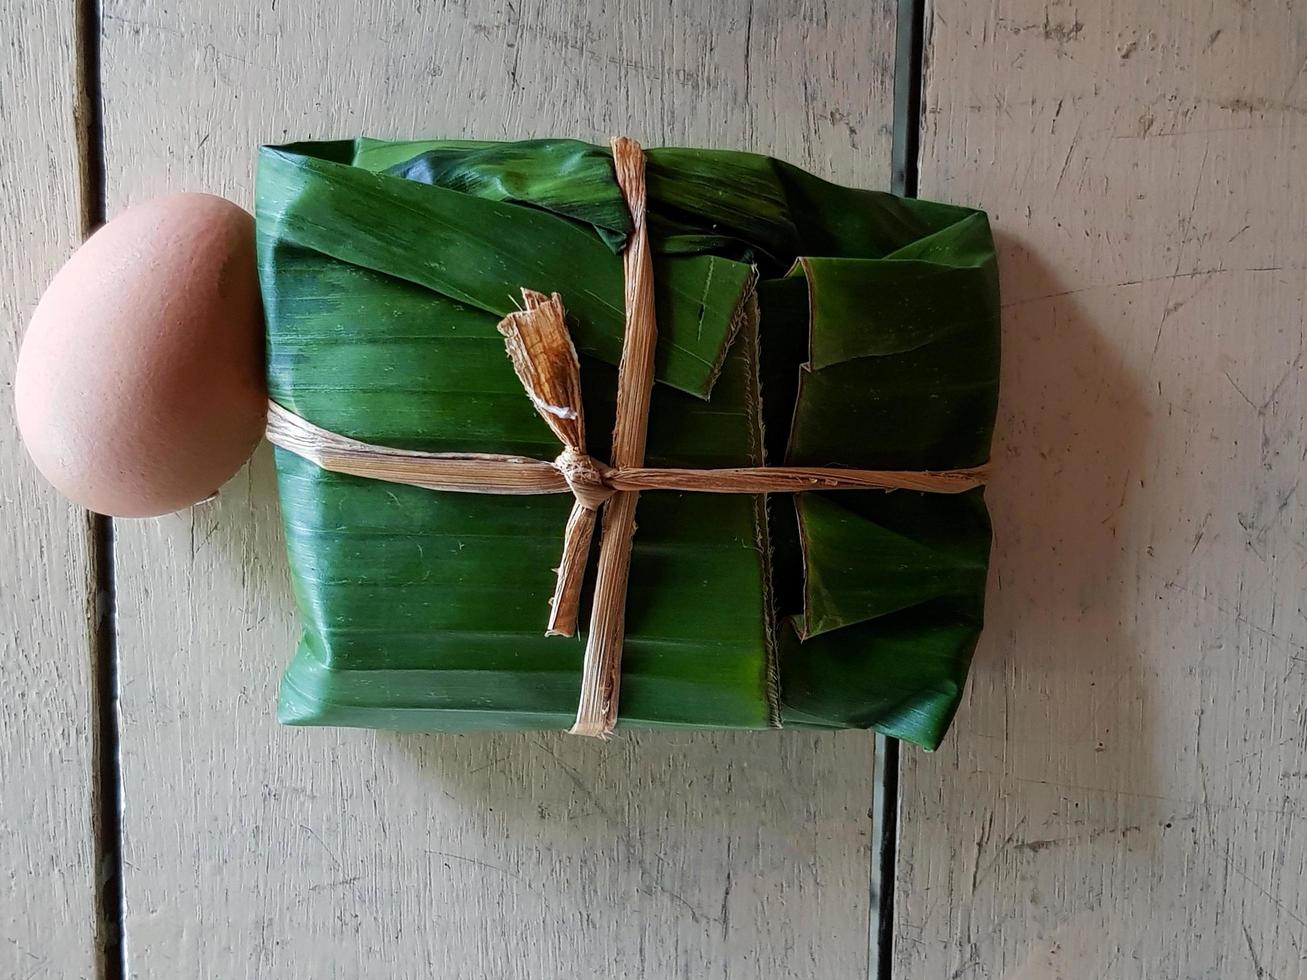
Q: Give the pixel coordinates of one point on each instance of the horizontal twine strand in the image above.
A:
(590, 480)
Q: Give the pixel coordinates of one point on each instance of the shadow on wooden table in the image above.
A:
(1070, 454)
(763, 837)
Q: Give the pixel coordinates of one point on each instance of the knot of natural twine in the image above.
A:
(586, 477)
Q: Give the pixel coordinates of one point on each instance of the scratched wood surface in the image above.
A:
(47, 888)
(254, 851)
(1125, 793)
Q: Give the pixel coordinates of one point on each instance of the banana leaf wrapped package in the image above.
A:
(799, 324)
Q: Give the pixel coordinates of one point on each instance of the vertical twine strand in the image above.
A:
(601, 674)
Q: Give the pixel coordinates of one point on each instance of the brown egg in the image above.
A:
(140, 386)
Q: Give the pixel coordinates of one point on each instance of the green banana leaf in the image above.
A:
(799, 322)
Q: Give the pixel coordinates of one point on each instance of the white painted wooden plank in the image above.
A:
(1124, 795)
(47, 845)
(253, 851)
